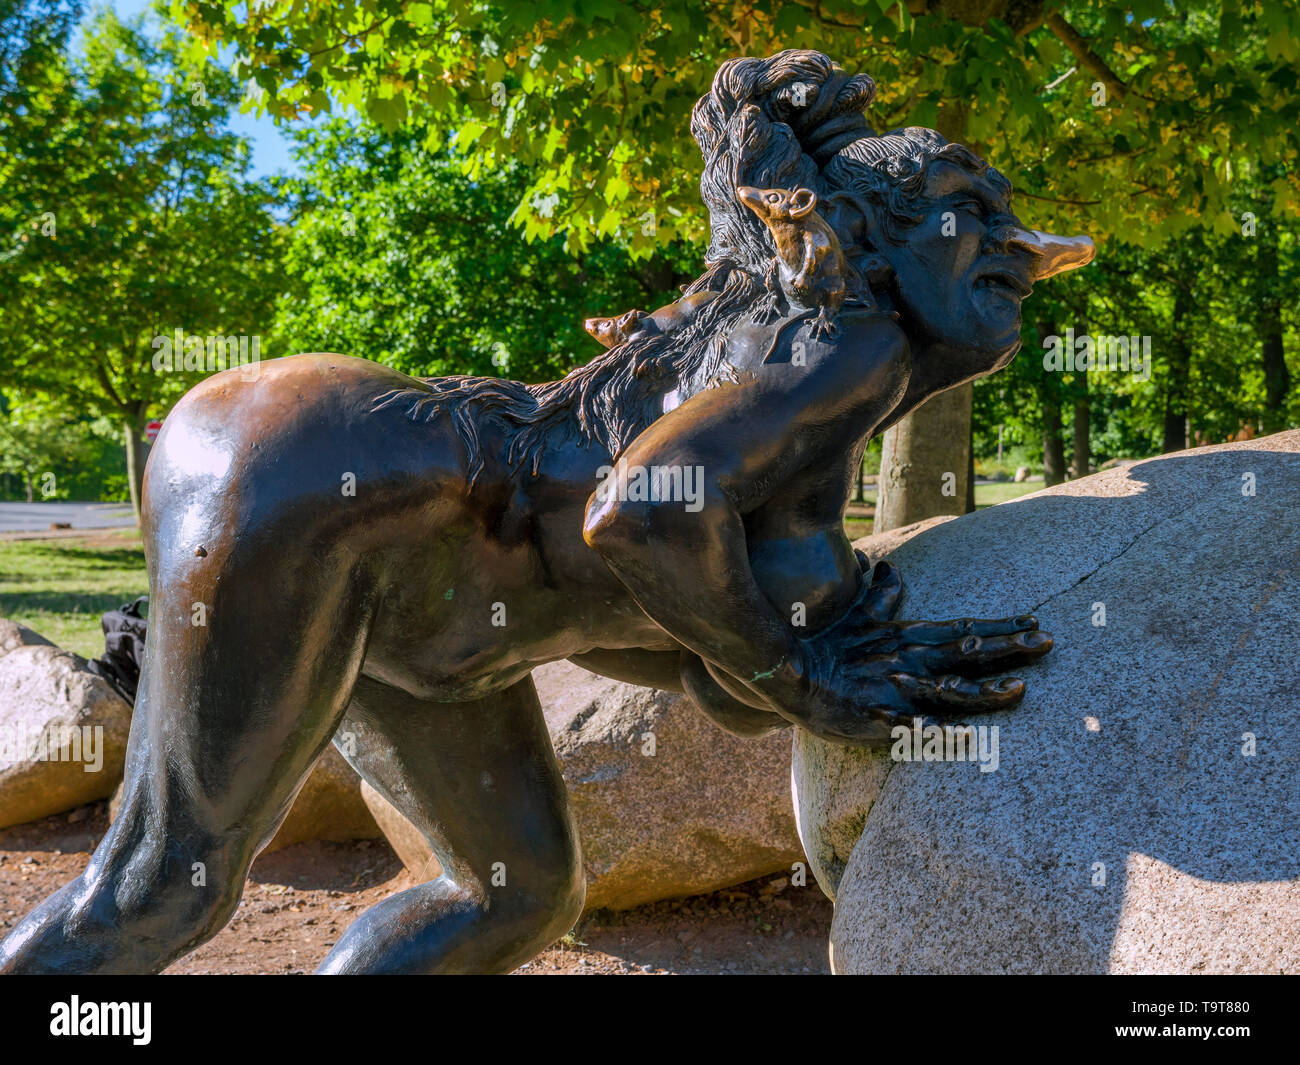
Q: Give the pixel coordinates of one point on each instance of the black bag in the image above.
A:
(124, 632)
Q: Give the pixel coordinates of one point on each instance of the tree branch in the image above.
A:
(1051, 199)
(1088, 59)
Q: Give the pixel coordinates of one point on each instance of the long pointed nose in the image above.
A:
(1052, 254)
(599, 328)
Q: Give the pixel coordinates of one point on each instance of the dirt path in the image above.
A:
(299, 901)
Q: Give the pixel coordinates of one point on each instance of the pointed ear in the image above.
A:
(844, 213)
(870, 234)
(802, 201)
(855, 223)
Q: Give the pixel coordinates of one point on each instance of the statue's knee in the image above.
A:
(546, 900)
(568, 897)
(190, 887)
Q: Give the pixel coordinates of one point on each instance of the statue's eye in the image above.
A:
(774, 198)
(973, 206)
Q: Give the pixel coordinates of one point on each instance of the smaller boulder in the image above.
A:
(329, 807)
(13, 635)
(63, 730)
(667, 803)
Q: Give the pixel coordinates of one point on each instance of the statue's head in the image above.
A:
(932, 223)
(928, 223)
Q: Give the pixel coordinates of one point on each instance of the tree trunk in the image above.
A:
(134, 462)
(1053, 442)
(1180, 367)
(1082, 444)
(970, 468)
(27, 481)
(935, 438)
(925, 462)
(1049, 400)
(1277, 381)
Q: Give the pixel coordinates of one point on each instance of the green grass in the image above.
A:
(855, 529)
(986, 495)
(60, 587)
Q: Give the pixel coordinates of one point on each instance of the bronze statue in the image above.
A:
(339, 551)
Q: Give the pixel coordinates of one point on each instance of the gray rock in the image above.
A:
(1125, 828)
(667, 804)
(329, 807)
(1022, 474)
(14, 635)
(63, 730)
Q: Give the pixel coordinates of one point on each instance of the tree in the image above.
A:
(37, 443)
(397, 255)
(1131, 119)
(594, 98)
(131, 220)
(1201, 302)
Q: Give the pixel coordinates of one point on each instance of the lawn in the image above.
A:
(987, 495)
(857, 522)
(60, 586)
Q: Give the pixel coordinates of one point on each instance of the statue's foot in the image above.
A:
(823, 327)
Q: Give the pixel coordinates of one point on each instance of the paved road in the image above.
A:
(37, 517)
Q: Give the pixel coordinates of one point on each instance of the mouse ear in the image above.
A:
(802, 202)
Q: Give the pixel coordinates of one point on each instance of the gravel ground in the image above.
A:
(299, 901)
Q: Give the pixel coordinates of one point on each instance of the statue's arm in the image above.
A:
(857, 679)
(689, 569)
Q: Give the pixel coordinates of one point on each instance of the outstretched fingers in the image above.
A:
(948, 631)
(952, 695)
(977, 655)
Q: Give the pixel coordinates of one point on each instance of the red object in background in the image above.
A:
(152, 430)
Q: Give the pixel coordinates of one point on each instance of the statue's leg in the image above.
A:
(250, 660)
(683, 671)
(480, 780)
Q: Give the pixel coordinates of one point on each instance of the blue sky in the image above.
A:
(270, 147)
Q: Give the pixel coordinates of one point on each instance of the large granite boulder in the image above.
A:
(667, 803)
(63, 730)
(1144, 814)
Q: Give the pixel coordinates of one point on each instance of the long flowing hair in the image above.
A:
(794, 119)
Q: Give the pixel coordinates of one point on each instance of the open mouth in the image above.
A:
(1005, 281)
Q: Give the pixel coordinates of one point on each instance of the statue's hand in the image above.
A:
(868, 674)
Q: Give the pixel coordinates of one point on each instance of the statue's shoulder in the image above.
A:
(861, 333)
